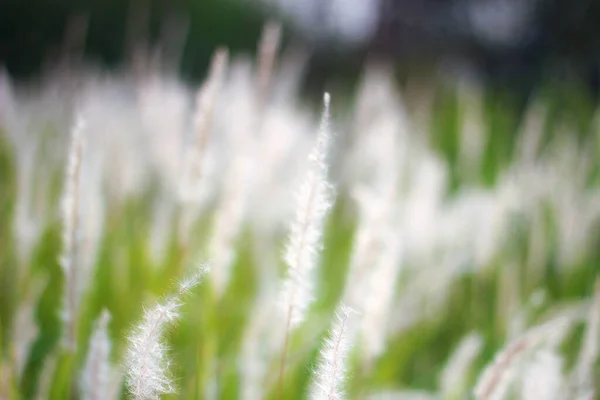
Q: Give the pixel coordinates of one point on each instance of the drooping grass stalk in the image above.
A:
(146, 361)
(493, 380)
(71, 235)
(305, 240)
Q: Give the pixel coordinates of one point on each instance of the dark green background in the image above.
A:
(32, 32)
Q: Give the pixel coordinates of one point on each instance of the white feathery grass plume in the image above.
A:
(97, 373)
(331, 372)
(194, 188)
(455, 375)
(495, 379)
(267, 55)
(146, 361)
(374, 170)
(376, 195)
(304, 244)
(582, 378)
(71, 234)
(542, 377)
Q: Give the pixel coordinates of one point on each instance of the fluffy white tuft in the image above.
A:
(146, 358)
(313, 203)
(70, 233)
(331, 373)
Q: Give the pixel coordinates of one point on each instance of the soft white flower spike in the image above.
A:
(331, 372)
(146, 361)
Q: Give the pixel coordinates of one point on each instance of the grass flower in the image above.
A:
(445, 208)
(146, 360)
(331, 372)
(71, 235)
(304, 244)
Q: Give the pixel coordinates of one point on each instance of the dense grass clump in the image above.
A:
(415, 245)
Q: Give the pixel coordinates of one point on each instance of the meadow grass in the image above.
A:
(454, 224)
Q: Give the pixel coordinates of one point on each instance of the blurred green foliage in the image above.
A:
(125, 279)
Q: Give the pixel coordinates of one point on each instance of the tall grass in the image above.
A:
(465, 239)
